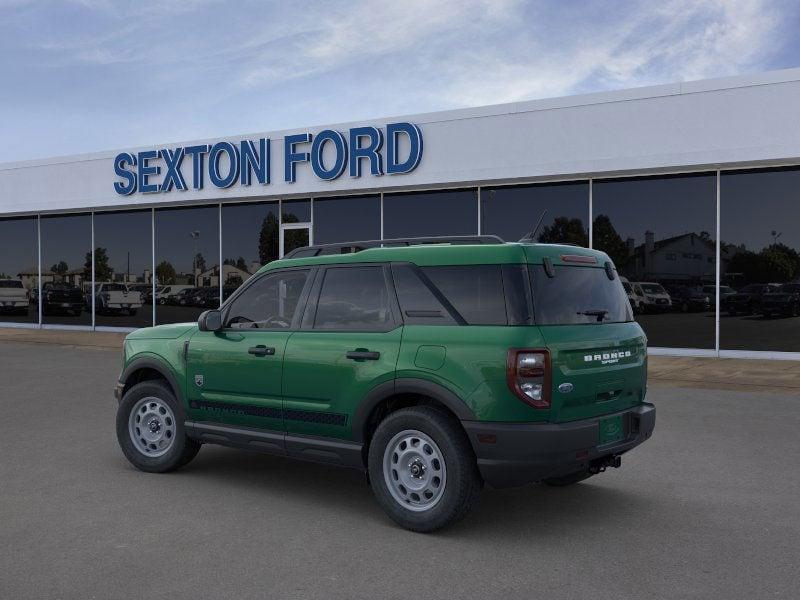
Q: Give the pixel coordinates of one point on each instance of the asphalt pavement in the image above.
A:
(708, 508)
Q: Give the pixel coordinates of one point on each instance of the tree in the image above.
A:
(606, 238)
(199, 262)
(268, 239)
(565, 231)
(59, 268)
(102, 270)
(165, 273)
(241, 264)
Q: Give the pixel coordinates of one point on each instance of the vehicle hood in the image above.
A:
(163, 332)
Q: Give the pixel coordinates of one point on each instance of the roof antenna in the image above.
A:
(529, 237)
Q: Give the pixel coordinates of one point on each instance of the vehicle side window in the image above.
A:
(419, 305)
(354, 298)
(269, 303)
(476, 291)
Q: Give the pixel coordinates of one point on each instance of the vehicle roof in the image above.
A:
(426, 255)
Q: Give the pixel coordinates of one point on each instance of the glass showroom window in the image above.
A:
(123, 267)
(67, 269)
(347, 219)
(19, 270)
(249, 240)
(659, 231)
(512, 212)
(187, 262)
(760, 260)
(449, 212)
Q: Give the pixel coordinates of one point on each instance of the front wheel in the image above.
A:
(422, 468)
(150, 429)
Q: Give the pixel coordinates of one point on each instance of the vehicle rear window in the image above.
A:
(577, 295)
(12, 283)
(475, 291)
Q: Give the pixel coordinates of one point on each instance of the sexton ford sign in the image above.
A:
(225, 164)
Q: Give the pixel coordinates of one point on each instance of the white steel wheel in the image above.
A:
(414, 470)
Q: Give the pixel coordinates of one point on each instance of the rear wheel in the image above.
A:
(422, 469)
(150, 429)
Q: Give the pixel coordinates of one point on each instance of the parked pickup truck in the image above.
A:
(115, 298)
(14, 298)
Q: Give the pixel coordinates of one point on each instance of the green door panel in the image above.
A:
(322, 387)
(228, 384)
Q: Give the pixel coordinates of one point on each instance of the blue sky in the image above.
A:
(89, 75)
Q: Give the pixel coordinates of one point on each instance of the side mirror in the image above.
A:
(210, 320)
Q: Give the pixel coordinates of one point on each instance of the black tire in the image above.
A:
(182, 450)
(566, 480)
(463, 482)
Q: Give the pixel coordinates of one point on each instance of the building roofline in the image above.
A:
(545, 104)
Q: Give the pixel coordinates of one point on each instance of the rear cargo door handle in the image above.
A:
(363, 355)
(261, 350)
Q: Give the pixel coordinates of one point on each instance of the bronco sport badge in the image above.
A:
(607, 358)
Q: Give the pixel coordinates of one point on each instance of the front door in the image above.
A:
(348, 343)
(235, 375)
(293, 236)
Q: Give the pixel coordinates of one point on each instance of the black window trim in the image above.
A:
(310, 313)
(301, 303)
(440, 297)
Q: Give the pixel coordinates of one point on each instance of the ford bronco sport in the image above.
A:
(433, 365)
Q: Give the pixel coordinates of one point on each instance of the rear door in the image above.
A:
(348, 343)
(235, 375)
(598, 353)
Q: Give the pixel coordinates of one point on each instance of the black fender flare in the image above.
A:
(407, 385)
(148, 362)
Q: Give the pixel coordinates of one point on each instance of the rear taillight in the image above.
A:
(528, 376)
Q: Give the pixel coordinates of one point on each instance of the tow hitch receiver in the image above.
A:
(601, 464)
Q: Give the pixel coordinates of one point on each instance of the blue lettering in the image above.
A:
(393, 132)
(173, 176)
(290, 157)
(197, 153)
(254, 162)
(146, 170)
(371, 151)
(317, 149)
(213, 164)
(122, 159)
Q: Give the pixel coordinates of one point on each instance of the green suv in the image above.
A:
(434, 365)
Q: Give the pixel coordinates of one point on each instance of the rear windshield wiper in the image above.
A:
(599, 313)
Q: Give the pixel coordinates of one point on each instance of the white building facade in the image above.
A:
(685, 185)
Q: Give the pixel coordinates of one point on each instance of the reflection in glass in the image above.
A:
(187, 262)
(512, 212)
(347, 219)
(66, 269)
(451, 212)
(760, 260)
(123, 267)
(658, 232)
(295, 238)
(249, 240)
(19, 270)
(296, 211)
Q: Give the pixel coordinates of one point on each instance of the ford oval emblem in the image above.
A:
(565, 388)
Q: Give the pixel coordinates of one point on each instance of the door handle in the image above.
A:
(363, 355)
(261, 350)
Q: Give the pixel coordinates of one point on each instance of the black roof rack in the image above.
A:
(350, 247)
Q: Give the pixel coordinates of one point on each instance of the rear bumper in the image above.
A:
(527, 452)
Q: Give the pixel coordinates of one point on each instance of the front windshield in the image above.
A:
(652, 288)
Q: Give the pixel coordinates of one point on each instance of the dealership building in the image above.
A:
(693, 189)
